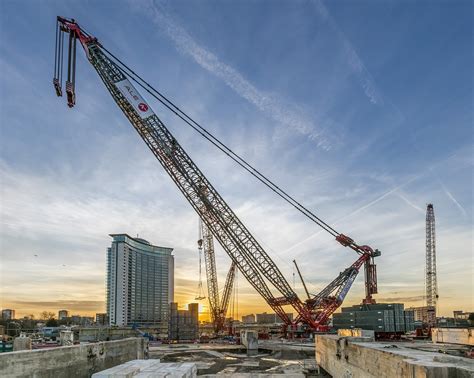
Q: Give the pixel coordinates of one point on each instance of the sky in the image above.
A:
(361, 110)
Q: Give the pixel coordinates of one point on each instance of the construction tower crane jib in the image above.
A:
(246, 253)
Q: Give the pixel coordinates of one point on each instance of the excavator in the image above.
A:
(218, 219)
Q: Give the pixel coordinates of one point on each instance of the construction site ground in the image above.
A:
(272, 358)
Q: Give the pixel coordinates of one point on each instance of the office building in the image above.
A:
(461, 315)
(424, 314)
(63, 314)
(8, 314)
(101, 319)
(184, 324)
(81, 320)
(140, 282)
(248, 319)
(271, 318)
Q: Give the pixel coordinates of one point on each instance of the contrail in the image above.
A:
(448, 193)
(357, 65)
(410, 203)
(386, 194)
(287, 114)
(451, 197)
(378, 199)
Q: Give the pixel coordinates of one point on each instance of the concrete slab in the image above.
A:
(150, 368)
(353, 357)
(254, 375)
(214, 353)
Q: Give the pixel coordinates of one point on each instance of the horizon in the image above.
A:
(360, 111)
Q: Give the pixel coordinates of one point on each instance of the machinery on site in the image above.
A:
(246, 253)
(218, 308)
(146, 335)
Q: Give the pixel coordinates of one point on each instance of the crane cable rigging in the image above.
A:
(167, 103)
(218, 144)
(200, 291)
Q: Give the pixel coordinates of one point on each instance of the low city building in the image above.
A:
(424, 314)
(459, 319)
(271, 318)
(81, 320)
(101, 319)
(184, 324)
(8, 314)
(461, 315)
(63, 314)
(248, 319)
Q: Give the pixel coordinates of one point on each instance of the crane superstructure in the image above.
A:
(245, 252)
(218, 306)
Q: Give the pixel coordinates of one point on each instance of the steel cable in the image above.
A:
(218, 144)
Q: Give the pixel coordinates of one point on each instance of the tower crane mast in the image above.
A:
(244, 250)
(431, 280)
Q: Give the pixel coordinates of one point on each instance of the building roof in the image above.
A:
(145, 243)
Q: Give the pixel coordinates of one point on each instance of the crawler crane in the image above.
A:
(245, 252)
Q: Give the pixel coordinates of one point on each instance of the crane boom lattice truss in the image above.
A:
(431, 280)
(218, 307)
(244, 250)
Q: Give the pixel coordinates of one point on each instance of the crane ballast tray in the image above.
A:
(244, 250)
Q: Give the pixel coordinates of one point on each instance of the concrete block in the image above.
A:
(463, 336)
(74, 361)
(249, 339)
(351, 357)
(118, 371)
(66, 337)
(356, 332)
(21, 343)
(150, 368)
(128, 369)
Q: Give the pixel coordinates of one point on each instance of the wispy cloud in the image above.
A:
(416, 298)
(355, 62)
(72, 305)
(288, 114)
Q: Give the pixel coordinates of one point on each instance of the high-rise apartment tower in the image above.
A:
(140, 282)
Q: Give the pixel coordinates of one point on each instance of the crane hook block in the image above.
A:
(58, 88)
(71, 95)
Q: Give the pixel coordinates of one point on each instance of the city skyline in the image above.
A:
(364, 136)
